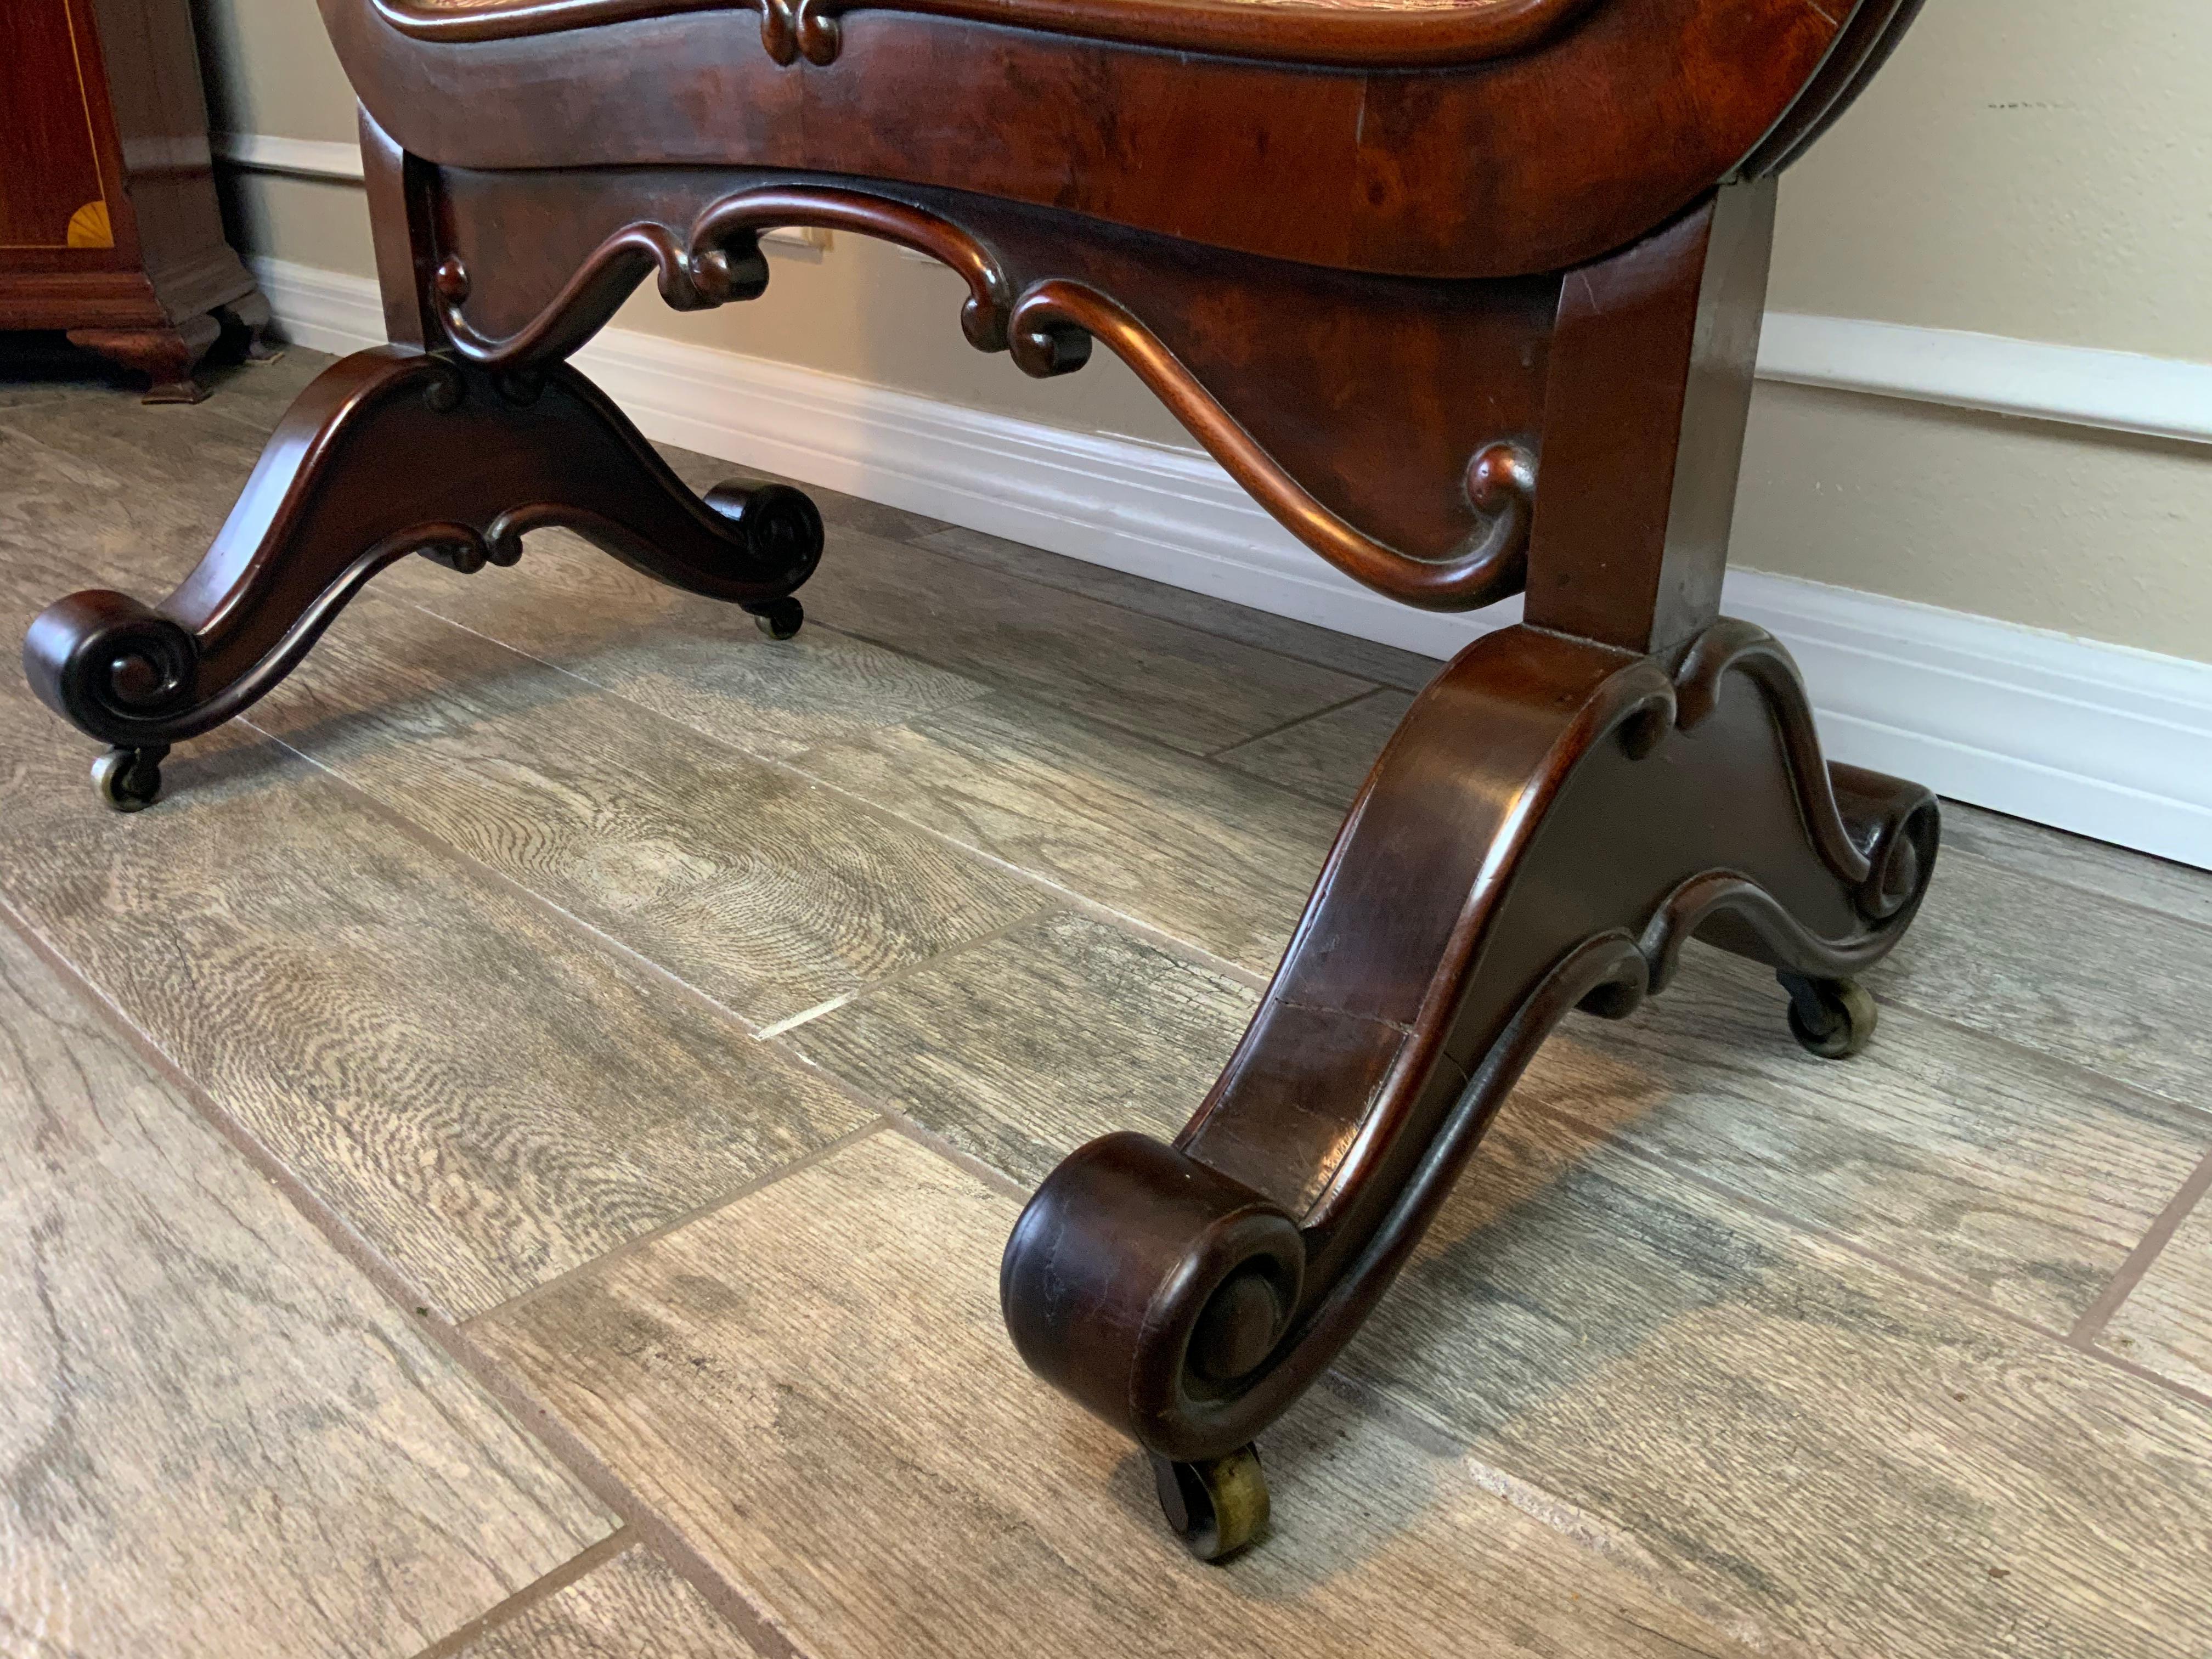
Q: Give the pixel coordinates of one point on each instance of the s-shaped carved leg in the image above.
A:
(392, 452)
(1554, 819)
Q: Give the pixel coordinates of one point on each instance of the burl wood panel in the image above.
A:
(217, 1441)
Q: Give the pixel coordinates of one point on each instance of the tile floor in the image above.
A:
(510, 1156)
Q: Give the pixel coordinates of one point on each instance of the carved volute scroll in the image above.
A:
(1435, 512)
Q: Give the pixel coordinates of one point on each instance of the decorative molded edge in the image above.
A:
(1319, 35)
(1048, 330)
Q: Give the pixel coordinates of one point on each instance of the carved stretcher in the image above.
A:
(1467, 293)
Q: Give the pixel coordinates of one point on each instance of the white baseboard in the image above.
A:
(2094, 737)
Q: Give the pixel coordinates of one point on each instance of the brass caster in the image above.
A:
(1831, 1018)
(1216, 1507)
(129, 779)
(780, 618)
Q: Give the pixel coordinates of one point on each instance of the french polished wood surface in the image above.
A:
(1468, 297)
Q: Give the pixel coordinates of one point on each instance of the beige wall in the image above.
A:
(2011, 172)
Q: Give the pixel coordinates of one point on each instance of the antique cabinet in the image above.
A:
(108, 223)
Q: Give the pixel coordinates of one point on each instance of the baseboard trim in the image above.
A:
(2093, 738)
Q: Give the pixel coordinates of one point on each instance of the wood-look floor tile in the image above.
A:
(699, 661)
(1865, 1464)
(2112, 987)
(1347, 653)
(1190, 690)
(814, 1387)
(768, 892)
(2178, 890)
(2016, 1177)
(488, 1096)
(630, 1607)
(1021, 1049)
(1203, 853)
(1326, 757)
(2166, 1323)
(215, 1438)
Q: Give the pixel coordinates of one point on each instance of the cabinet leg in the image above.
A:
(389, 452)
(168, 357)
(1552, 821)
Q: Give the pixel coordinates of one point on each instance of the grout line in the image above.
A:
(1062, 586)
(719, 1202)
(2155, 1238)
(563, 1446)
(769, 1033)
(1187, 950)
(1217, 755)
(923, 1136)
(538, 1589)
(900, 975)
(1795, 1223)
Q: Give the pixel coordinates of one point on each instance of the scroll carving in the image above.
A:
(1047, 329)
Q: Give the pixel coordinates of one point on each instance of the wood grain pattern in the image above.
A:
(2017, 1178)
(487, 1097)
(1327, 756)
(215, 1438)
(630, 1607)
(1021, 1049)
(2034, 849)
(769, 893)
(2124, 997)
(1364, 660)
(1861, 1464)
(1205, 854)
(697, 661)
(813, 1386)
(2166, 1323)
(1190, 690)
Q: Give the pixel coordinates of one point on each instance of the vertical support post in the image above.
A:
(398, 222)
(1644, 409)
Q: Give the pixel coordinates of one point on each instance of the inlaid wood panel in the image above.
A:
(2124, 996)
(215, 1438)
(769, 893)
(49, 184)
(2166, 1323)
(1860, 1463)
(1021, 1049)
(630, 1607)
(1205, 854)
(812, 1384)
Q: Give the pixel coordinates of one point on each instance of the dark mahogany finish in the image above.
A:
(108, 223)
(1467, 294)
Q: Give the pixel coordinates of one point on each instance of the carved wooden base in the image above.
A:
(167, 357)
(1550, 824)
(390, 453)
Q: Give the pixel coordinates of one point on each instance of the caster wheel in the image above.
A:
(1831, 1018)
(1216, 1507)
(779, 619)
(128, 779)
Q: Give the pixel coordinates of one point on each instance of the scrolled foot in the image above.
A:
(1216, 1507)
(778, 525)
(780, 620)
(1833, 1018)
(128, 779)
